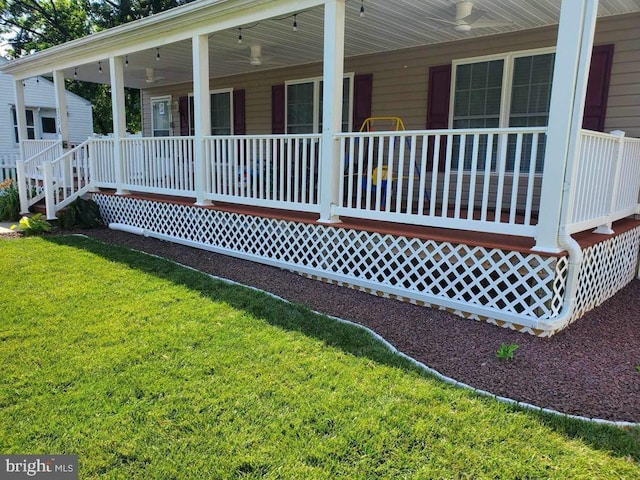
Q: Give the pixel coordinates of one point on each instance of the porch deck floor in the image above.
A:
(481, 239)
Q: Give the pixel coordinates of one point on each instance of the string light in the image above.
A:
(240, 35)
(361, 8)
(99, 67)
(157, 54)
(126, 60)
(295, 23)
(75, 72)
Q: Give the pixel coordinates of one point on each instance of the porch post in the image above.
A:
(569, 86)
(116, 72)
(62, 121)
(202, 109)
(21, 117)
(333, 72)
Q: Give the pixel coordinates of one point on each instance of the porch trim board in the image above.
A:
(523, 291)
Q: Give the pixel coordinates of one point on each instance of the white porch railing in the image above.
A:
(158, 165)
(8, 162)
(606, 181)
(30, 175)
(66, 177)
(476, 179)
(103, 166)
(31, 148)
(280, 171)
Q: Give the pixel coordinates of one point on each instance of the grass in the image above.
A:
(147, 370)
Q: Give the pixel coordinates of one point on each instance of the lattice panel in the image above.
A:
(522, 284)
(607, 267)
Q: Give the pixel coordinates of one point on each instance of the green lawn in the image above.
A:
(147, 370)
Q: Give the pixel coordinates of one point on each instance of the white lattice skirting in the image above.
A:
(523, 291)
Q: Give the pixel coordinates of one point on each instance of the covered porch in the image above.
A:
(540, 183)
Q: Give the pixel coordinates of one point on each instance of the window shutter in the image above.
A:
(239, 124)
(438, 97)
(362, 95)
(277, 109)
(595, 106)
(183, 110)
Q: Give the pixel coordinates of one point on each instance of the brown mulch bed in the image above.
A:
(588, 369)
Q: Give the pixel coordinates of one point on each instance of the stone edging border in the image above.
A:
(393, 349)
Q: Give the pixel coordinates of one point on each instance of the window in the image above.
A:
(31, 128)
(48, 125)
(161, 117)
(304, 105)
(221, 113)
(510, 90)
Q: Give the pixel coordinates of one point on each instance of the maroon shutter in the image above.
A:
(183, 110)
(362, 95)
(595, 105)
(277, 109)
(438, 95)
(239, 124)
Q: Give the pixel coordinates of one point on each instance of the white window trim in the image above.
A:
(159, 99)
(213, 92)
(507, 78)
(316, 100)
(35, 126)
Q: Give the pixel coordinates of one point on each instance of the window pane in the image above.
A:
(300, 108)
(478, 94)
(221, 113)
(48, 125)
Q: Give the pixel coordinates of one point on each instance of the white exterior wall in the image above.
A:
(39, 96)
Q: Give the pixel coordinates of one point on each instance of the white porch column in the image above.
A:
(202, 109)
(116, 72)
(21, 117)
(570, 75)
(62, 120)
(333, 73)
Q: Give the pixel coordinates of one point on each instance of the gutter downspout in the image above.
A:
(575, 258)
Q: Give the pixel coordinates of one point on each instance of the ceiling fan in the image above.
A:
(151, 76)
(255, 57)
(468, 18)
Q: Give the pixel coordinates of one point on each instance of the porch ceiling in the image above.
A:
(386, 26)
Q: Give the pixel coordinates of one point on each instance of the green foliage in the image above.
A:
(9, 201)
(147, 370)
(33, 225)
(80, 213)
(638, 368)
(506, 352)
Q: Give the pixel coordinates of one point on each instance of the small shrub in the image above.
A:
(506, 352)
(638, 368)
(80, 213)
(9, 201)
(32, 225)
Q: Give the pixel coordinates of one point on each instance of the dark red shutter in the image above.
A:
(362, 95)
(438, 97)
(277, 109)
(595, 105)
(183, 110)
(239, 123)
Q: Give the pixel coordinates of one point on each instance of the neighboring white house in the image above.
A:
(40, 103)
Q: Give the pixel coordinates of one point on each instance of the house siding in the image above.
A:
(400, 77)
(41, 94)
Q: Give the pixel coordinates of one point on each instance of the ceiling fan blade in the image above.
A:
(473, 17)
